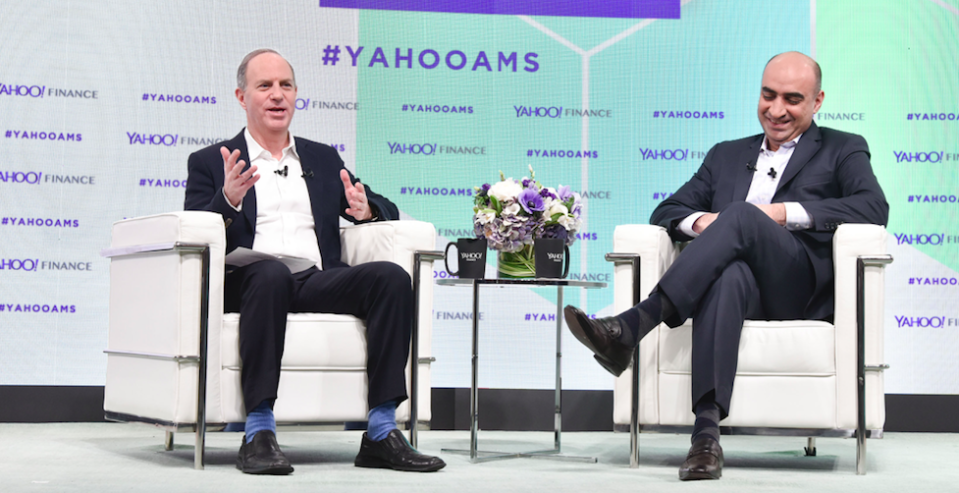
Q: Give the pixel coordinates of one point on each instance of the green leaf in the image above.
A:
(495, 204)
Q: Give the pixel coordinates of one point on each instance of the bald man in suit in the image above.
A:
(761, 213)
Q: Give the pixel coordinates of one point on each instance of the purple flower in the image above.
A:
(564, 193)
(557, 231)
(530, 200)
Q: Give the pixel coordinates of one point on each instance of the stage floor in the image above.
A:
(107, 457)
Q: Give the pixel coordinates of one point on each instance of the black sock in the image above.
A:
(644, 317)
(707, 418)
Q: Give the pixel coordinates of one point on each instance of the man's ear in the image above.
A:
(241, 97)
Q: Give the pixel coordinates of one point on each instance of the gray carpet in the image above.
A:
(108, 457)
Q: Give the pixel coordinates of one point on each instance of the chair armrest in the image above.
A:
(165, 284)
(392, 241)
(656, 252)
(155, 307)
(182, 226)
(849, 243)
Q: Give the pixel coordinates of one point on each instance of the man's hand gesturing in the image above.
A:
(236, 182)
(356, 196)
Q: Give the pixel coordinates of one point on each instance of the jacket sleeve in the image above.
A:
(860, 199)
(696, 195)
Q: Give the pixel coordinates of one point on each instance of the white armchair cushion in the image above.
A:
(796, 347)
(318, 341)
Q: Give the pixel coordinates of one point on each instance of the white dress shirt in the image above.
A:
(769, 170)
(284, 215)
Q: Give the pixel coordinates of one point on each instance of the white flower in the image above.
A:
(484, 217)
(548, 203)
(557, 207)
(566, 221)
(510, 210)
(506, 190)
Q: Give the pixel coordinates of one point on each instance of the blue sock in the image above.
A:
(382, 421)
(260, 419)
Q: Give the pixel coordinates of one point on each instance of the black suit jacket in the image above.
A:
(204, 192)
(829, 174)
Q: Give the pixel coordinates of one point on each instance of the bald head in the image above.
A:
(796, 58)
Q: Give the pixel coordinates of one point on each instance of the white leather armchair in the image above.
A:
(173, 358)
(796, 378)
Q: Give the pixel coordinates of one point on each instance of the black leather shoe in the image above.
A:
(394, 452)
(601, 337)
(704, 460)
(262, 455)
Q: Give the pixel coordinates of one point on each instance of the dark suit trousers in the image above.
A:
(743, 266)
(378, 292)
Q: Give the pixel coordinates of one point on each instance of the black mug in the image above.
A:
(548, 254)
(471, 254)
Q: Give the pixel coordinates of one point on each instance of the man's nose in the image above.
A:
(777, 109)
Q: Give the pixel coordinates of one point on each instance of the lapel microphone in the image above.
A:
(283, 172)
(307, 173)
(772, 173)
(751, 167)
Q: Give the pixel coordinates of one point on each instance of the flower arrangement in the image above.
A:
(511, 213)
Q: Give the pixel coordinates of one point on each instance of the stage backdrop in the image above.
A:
(102, 102)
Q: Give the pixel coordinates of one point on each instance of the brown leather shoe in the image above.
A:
(601, 337)
(704, 460)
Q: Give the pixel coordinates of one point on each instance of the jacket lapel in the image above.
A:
(315, 187)
(807, 147)
(742, 169)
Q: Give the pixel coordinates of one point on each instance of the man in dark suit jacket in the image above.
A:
(763, 211)
(294, 211)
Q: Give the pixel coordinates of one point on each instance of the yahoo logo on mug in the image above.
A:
(471, 256)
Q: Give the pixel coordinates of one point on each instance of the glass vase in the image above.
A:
(516, 265)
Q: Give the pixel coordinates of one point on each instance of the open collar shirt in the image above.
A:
(284, 215)
(770, 166)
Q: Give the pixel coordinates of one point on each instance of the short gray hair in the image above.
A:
(241, 71)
